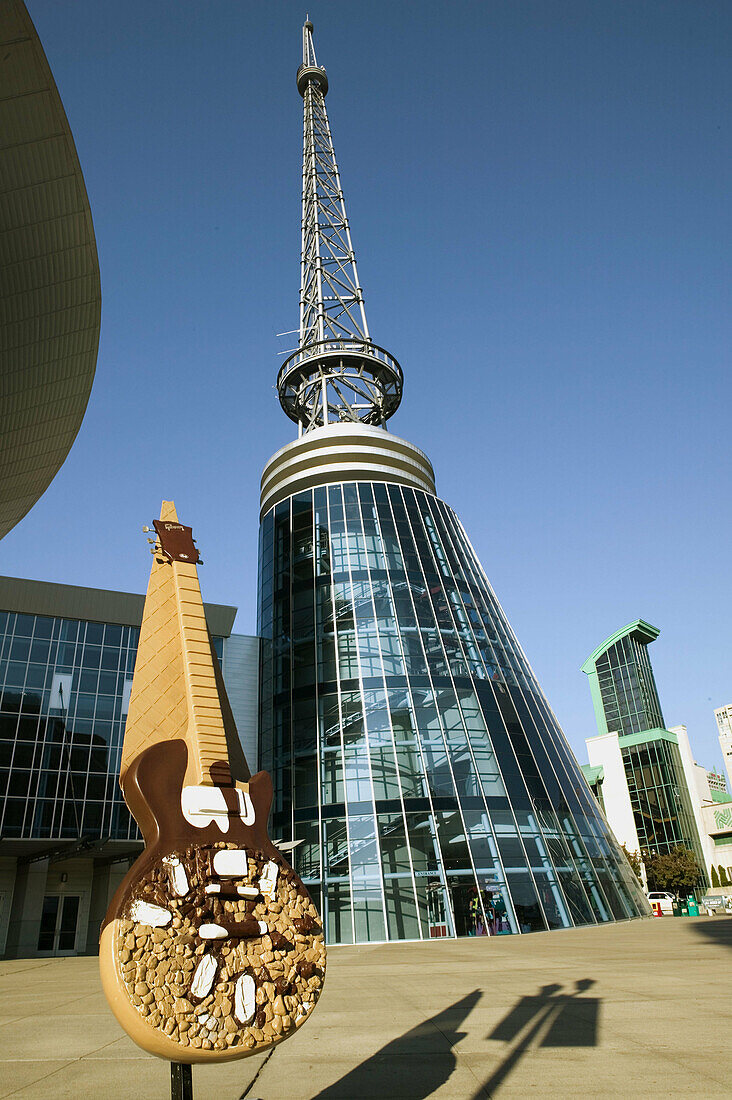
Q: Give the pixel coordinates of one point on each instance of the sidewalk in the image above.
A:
(620, 1011)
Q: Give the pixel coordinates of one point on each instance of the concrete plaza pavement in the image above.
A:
(628, 1010)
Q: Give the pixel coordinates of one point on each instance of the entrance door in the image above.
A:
(467, 916)
(59, 918)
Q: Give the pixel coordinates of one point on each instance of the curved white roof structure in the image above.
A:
(50, 296)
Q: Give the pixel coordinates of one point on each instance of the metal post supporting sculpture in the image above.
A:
(211, 949)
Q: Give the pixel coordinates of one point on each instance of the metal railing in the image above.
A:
(330, 348)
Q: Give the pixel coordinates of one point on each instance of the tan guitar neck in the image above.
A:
(175, 694)
(206, 736)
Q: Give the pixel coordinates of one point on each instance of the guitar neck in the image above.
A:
(206, 734)
(175, 694)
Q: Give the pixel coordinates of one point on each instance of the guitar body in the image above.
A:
(255, 973)
(211, 948)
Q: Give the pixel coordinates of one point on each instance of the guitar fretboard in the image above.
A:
(174, 691)
(207, 735)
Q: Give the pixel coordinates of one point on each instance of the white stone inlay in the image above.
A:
(246, 807)
(145, 913)
(204, 976)
(245, 998)
(213, 888)
(231, 862)
(202, 805)
(262, 927)
(247, 891)
(268, 881)
(178, 876)
(212, 932)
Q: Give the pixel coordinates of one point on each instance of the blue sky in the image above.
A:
(539, 199)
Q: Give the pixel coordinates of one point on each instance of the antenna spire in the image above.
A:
(308, 49)
(337, 374)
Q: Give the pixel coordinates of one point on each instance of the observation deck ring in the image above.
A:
(316, 73)
(332, 349)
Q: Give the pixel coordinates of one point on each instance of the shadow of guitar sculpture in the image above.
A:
(211, 948)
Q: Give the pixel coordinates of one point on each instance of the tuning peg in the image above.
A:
(152, 541)
(145, 529)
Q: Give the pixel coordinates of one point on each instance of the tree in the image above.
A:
(715, 876)
(723, 880)
(634, 860)
(676, 871)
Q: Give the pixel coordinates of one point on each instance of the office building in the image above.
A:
(417, 765)
(67, 656)
(652, 790)
(723, 716)
(717, 781)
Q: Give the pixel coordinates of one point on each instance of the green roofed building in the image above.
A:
(643, 772)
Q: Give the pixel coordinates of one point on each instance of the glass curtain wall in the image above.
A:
(64, 690)
(628, 687)
(61, 723)
(659, 797)
(417, 765)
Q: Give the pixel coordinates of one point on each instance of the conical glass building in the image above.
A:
(418, 768)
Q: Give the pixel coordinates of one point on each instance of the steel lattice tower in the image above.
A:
(337, 373)
(417, 766)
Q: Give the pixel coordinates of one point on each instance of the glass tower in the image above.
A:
(627, 709)
(418, 768)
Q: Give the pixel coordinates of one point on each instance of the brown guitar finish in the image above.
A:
(211, 948)
(148, 971)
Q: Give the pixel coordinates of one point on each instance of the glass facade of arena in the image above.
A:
(64, 690)
(417, 765)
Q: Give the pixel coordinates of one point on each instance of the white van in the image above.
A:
(664, 899)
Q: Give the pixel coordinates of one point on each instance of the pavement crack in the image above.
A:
(251, 1084)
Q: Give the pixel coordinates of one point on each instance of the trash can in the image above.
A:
(693, 907)
(676, 908)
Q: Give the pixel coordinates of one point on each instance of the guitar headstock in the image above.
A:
(175, 541)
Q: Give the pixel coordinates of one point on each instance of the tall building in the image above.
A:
(711, 804)
(717, 781)
(418, 767)
(67, 655)
(723, 716)
(50, 294)
(650, 787)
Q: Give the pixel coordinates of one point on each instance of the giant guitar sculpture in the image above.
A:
(211, 948)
